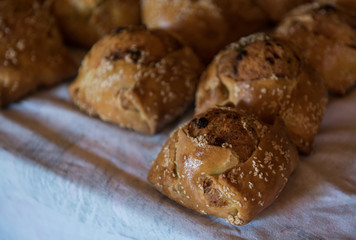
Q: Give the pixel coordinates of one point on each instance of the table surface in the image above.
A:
(65, 175)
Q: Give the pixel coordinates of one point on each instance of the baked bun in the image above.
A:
(225, 162)
(205, 25)
(84, 22)
(137, 78)
(31, 50)
(266, 76)
(275, 9)
(327, 39)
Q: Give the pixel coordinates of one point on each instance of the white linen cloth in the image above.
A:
(65, 175)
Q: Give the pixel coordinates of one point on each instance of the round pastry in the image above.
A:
(84, 22)
(31, 50)
(266, 76)
(225, 162)
(137, 78)
(326, 36)
(275, 9)
(205, 25)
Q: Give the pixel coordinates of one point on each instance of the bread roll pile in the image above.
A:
(219, 163)
(260, 100)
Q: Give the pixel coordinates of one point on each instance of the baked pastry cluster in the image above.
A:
(84, 22)
(260, 100)
(265, 75)
(256, 104)
(326, 36)
(138, 78)
(31, 50)
(225, 162)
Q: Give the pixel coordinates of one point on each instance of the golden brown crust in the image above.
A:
(234, 177)
(205, 25)
(137, 78)
(31, 50)
(326, 36)
(84, 22)
(275, 9)
(266, 76)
